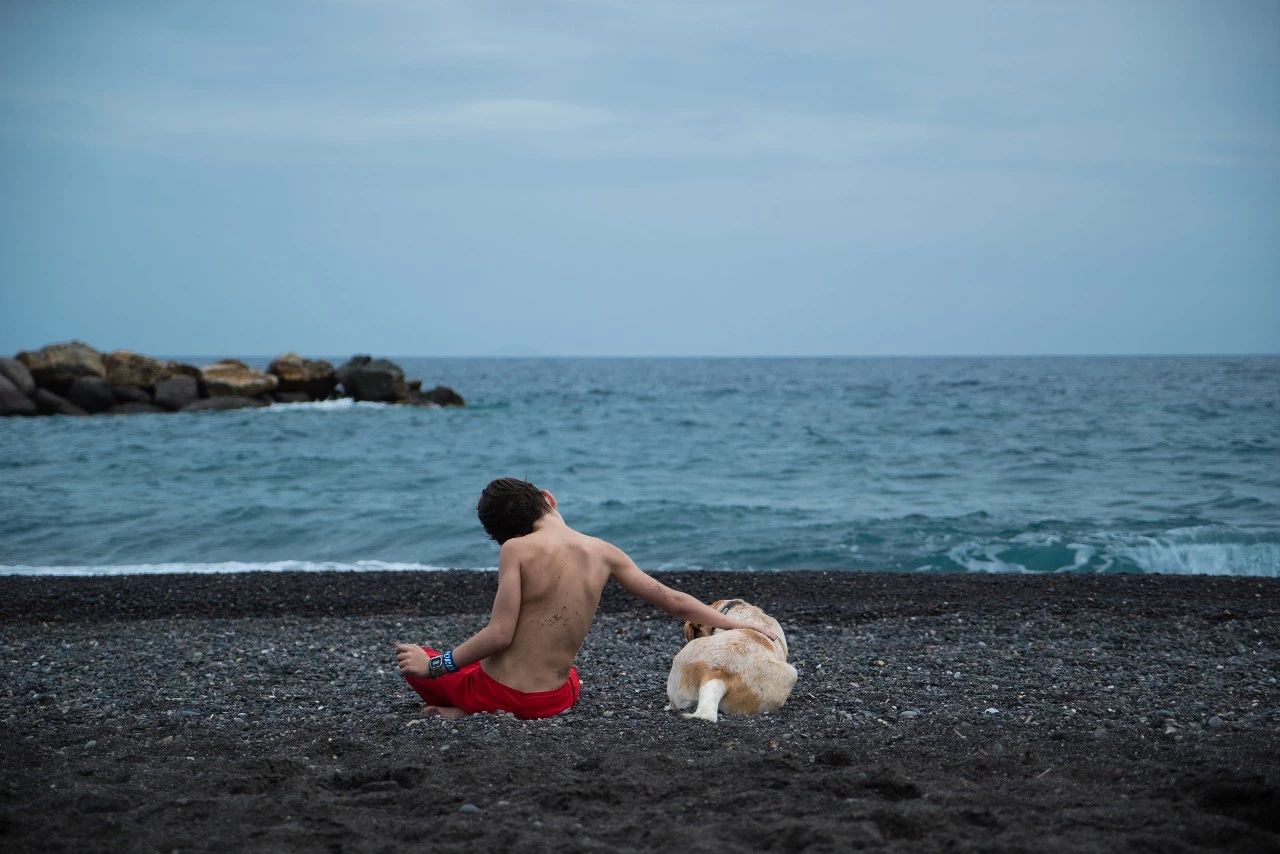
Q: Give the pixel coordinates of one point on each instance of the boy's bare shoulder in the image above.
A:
(539, 543)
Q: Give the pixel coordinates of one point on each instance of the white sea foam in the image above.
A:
(229, 566)
(342, 403)
(983, 557)
(1204, 550)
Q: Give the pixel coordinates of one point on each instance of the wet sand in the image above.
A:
(262, 712)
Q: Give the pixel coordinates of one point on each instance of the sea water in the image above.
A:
(1162, 464)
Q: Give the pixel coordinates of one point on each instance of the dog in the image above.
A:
(740, 671)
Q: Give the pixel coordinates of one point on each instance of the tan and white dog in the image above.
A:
(738, 670)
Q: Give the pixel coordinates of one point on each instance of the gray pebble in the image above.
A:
(1216, 722)
(468, 809)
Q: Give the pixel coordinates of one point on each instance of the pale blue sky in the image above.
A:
(641, 178)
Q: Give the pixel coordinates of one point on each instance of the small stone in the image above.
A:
(1216, 722)
(468, 809)
(608, 713)
(992, 711)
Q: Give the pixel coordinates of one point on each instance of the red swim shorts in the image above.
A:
(473, 690)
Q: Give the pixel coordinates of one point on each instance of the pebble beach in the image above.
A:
(262, 711)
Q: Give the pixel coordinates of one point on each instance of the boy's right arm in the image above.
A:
(639, 583)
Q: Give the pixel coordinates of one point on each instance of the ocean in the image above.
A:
(1065, 464)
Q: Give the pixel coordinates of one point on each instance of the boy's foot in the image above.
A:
(450, 713)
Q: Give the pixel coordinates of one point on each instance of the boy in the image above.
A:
(550, 578)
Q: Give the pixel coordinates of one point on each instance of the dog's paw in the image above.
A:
(695, 716)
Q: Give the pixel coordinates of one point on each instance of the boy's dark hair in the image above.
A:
(508, 507)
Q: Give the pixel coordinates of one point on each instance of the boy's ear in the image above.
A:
(690, 631)
(551, 499)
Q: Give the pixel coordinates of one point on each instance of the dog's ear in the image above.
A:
(690, 631)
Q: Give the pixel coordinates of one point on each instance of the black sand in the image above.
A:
(263, 712)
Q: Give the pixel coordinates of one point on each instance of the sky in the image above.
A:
(407, 177)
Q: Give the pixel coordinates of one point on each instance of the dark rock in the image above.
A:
(182, 369)
(49, 403)
(442, 395)
(413, 385)
(130, 394)
(92, 394)
(125, 367)
(315, 377)
(468, 809)
(233, 378)
(134, 408)
(438, 396)
(1216, 722)
(58, 365)
(13, 401)
(176, 392)
(224, 402)
(17, 373)
(292, 397)
(366, 378)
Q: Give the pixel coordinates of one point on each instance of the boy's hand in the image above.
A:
(412, 660)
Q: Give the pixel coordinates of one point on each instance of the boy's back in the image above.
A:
(562, 574)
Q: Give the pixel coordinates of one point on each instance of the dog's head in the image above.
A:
(739, 609)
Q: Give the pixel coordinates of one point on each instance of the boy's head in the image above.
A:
(509, 507)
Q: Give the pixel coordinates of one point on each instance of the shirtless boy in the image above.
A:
(550, 578)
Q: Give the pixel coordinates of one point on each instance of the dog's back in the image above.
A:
(739, 671)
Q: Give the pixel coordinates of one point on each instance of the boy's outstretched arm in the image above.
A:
(639, 583)
(494, 637)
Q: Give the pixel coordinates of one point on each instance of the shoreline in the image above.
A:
(261, 710)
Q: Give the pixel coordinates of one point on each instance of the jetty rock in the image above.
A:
(441, 395)
(232, 377)
(125, 367)
(313, 377)
(48, 403)
(176, 392)
(13, 401)
(57, 366)
(130, 394)
(366, 378)
(92, 394)
(17, 373)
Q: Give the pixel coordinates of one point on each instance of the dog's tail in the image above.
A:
(710, 693)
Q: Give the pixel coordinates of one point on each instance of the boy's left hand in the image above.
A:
(412, 660)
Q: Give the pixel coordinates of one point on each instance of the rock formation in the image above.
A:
(72, 378)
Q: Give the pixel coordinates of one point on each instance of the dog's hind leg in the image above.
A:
(709, 696)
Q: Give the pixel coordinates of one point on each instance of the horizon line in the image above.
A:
(1196, 355)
